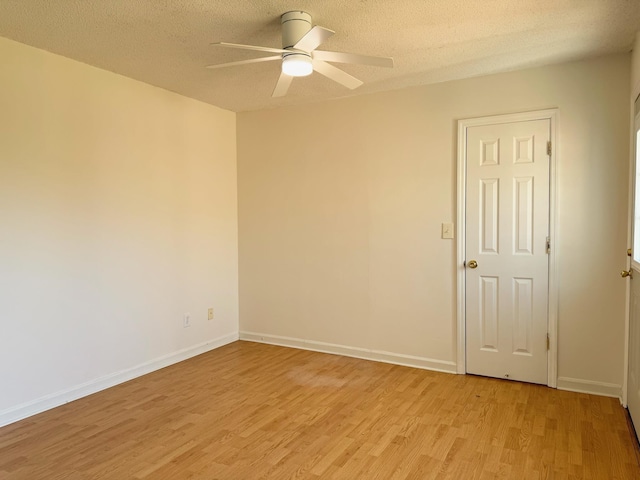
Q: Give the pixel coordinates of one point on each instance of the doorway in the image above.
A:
(633, 369)
(506, 261)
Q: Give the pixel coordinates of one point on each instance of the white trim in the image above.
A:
(56, 399)
(356, 352)
(552, 322)
(590, 387)
(461, 231)
(552, 326)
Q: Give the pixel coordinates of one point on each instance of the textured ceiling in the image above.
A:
(167, 42)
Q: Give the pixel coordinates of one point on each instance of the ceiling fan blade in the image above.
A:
(353, 58)
(336, 74)
(282, 86)
(250, 47)
(313, 38)
(244, 62)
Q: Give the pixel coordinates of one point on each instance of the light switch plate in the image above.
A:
(447, 230)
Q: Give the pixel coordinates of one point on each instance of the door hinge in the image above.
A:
(548, 342)
(548, 244)
(549, 148)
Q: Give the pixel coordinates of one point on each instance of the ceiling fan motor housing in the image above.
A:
(295, 25)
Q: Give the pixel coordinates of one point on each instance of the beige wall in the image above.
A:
(340, 206)
(635, 67)
(118, 213)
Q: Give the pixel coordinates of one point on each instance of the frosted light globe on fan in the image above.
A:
(297, 65)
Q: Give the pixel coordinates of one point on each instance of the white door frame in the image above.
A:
(463, 125)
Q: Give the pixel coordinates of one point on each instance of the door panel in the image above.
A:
(489, 313)
(633, 374)
(633, 379)
(507, 225)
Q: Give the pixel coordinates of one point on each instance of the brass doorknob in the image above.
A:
(472, 264)
(626, 273)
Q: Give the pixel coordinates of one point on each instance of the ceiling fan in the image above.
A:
(299, 55)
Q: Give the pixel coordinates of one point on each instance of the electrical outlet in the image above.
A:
(186, 320)
(210, 314)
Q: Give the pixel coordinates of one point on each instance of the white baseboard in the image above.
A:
(589, 386)
(56, 399)
(356, 352)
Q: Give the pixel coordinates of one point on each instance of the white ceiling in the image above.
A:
(167, 43)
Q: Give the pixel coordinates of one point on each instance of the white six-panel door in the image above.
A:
(507, 266)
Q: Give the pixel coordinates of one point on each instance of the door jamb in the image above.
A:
(635, 94)
(552, 326)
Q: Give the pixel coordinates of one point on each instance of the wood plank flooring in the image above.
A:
(252, 411)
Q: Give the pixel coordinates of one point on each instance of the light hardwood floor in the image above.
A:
(252, 411)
